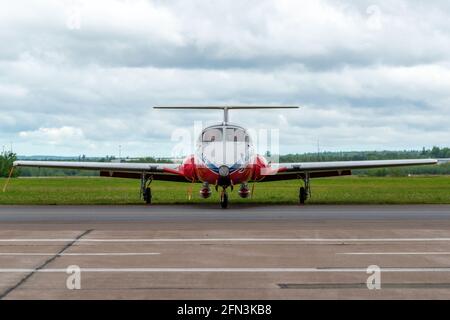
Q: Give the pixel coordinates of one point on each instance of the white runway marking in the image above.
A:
(117, 240)
(393, 253)
(113, 254)
(227, 270)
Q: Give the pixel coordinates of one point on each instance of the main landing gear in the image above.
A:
(146, 191)
(305, 191)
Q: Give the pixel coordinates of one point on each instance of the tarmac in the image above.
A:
(245, 252)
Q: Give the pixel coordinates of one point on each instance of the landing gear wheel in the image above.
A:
(302, 195)
(224, 200)
(148, 195)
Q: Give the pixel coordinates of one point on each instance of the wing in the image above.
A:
(287, 171)
(159, 171)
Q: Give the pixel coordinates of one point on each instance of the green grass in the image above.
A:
(345, 190)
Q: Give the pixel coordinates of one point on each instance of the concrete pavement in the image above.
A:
(176, 252)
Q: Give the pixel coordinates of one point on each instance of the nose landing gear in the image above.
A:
(224, 199)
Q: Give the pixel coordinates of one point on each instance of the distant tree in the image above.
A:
(6, 162)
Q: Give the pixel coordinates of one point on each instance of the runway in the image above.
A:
(214, 213)
(247, 252)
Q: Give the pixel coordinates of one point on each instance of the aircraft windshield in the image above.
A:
(212, 135)
(235, 134)
(225, 145)
(231, 135)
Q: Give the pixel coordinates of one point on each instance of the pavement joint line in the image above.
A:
(43, 265)
(392, 253)
(321, 286)
(237, 240)
(112, 254)
(228, 270)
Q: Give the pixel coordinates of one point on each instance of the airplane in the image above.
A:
(225, 157)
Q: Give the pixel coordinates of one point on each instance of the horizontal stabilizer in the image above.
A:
(224, 108)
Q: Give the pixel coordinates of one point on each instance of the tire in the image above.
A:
(302, 195)
(224, 201)
(148, 196)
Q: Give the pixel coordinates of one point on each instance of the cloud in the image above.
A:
(78, 74)
(53, 135)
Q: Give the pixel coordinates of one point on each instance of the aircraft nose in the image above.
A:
(224, 171)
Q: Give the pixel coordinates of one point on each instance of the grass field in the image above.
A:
(345, 190)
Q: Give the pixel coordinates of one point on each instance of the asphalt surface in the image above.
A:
(213, 213)
(245, 252)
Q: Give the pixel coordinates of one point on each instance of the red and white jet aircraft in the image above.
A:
(225, 158)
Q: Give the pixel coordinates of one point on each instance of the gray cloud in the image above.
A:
(371, 74)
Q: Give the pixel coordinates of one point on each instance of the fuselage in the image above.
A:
(224, 156)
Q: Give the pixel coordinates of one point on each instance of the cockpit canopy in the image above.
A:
(224, 145)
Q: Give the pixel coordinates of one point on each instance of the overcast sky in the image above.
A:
(80, 77)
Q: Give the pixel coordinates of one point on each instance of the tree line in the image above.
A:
(7, 159)
(433, 153)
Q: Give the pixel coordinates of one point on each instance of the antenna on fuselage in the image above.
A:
(225, 109)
